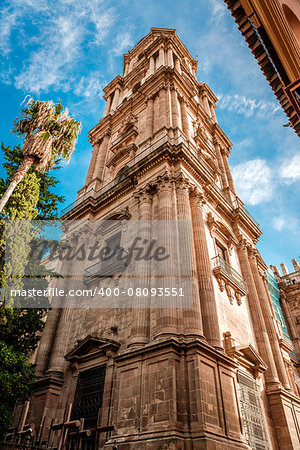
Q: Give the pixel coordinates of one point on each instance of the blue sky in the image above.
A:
(70, 49)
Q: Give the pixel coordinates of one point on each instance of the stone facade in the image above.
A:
(208, 377)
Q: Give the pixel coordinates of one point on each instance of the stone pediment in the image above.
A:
(92, 346)
(246, 355)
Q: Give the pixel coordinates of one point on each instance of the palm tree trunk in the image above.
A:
(18, 176)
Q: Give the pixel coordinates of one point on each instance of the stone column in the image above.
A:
(184, 119)
(206, 104)
(126, 69)
(150, 118)
(115, 101)
(177, 65)
(221, 166)
(45, 344)
(151, 65)
(161, 57)
(73, 273)
(212, 113)
(268, 318)
(101, 157)
(206, 289)
(228, 171)
(190, 315)
(291, 324)
(257, 318)
(166, 318)
(175, 109)
(107, 106)
(141, 309)
(162, 108)
(91, 169)
(48, 335)
(168, 107)
(170, 58)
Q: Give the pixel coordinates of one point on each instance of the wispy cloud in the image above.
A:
(8, 20)
(253, 181)
(122, 43)
(279, 223)
(290, 169)
(290, 224)
(59, 41)
(218, 10)
(90, 86)
(247, 106)
(45, 67)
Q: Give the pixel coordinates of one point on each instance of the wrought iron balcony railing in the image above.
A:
(221, 267)
(113, 265)
(238, 205)
(135, 162)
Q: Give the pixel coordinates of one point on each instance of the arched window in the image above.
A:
(292, 20)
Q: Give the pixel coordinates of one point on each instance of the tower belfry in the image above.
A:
(151, 378)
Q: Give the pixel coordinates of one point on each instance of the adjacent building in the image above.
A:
(271, 29)
(210, 376)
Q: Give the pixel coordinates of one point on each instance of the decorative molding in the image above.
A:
(245, 355)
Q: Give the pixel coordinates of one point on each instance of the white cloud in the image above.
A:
(90, 86)
(290, 170)
(253, 181)
(287, 223)
(8, 20)
(44, 69)
(218, 10)
(59, 41)
(247, 106)
(279, 223)
(122, 43)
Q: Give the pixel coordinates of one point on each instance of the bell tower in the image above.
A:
(174, 378)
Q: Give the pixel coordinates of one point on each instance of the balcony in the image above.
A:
(291, 278)
(229, 279)
(113, 265)
(238, 206)
(149, 152)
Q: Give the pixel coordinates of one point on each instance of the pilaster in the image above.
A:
(259, 326)
(206, 289)
(267, 314)
(190, 316)
(140, 331)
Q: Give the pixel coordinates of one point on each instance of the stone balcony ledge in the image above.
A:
(229, 279)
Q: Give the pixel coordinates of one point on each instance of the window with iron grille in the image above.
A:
(254, 424)
(88, 395)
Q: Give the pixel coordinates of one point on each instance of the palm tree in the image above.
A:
(49, 133)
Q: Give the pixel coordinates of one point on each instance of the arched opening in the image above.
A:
(292, 19)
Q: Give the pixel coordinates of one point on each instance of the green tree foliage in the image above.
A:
(48, 201)
(20, 329)
(49, 133)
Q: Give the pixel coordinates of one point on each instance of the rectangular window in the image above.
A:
(254, 424)
(88, 395)
(221, 251)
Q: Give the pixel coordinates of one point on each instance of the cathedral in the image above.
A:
(212, 374)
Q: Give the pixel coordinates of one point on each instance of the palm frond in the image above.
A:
(49, 132)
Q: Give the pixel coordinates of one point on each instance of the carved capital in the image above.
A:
(164, 183)
(242, 243)
(145, 194)
(182, 184)
(197, 197)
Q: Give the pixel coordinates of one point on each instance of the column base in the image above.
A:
(174, 443)
(285, 410)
